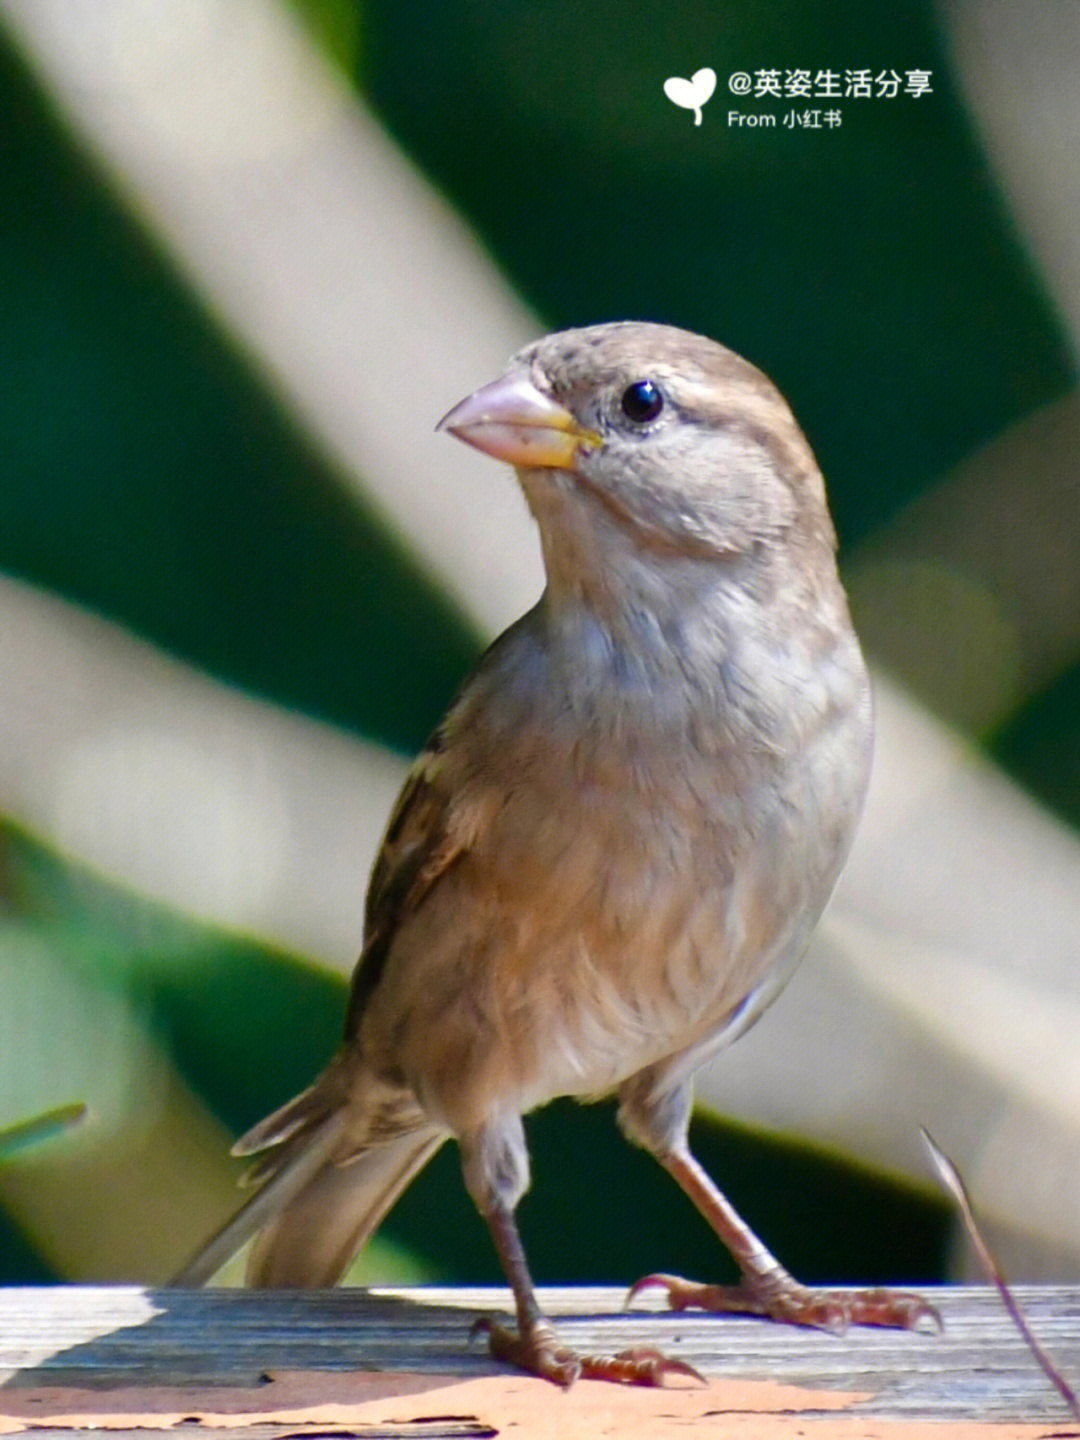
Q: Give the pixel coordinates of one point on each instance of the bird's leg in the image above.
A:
(535, 1347)
(766, 1288)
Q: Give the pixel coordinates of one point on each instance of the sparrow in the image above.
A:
(614, 848)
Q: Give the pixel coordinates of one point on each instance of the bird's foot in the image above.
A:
(783, 1298)
(539, 1352)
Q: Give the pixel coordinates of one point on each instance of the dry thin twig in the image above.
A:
(950, 1178)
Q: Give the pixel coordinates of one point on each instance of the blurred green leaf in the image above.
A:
(41, 1128)
(335, 26)
(1041, 745)
(210, 997)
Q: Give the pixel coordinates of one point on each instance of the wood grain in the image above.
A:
(360, 1361)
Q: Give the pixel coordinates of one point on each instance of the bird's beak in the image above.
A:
(514, 421)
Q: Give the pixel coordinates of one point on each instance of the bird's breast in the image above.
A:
(648, 860)
(686, 838)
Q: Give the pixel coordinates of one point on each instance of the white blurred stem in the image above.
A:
(1018, 66)
(226, 806)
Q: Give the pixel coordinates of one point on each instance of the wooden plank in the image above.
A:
(126, 1344)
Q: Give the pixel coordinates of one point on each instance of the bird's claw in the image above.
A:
(794, 1304)
(538, 1352)
(640, 1366)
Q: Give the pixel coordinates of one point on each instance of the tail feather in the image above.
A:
(322, 1191)
(303, 1112)
(291, 1175)
(313, 1239)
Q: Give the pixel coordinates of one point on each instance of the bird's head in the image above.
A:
(641, 441)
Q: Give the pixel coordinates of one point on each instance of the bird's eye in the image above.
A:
(642, 401)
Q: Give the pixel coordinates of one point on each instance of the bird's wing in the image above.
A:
(431, 827)
(416, 845)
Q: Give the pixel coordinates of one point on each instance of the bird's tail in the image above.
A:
(313, 1212)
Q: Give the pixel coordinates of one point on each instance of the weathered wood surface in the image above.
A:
(127, 1344)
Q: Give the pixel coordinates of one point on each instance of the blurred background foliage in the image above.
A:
(155, 475)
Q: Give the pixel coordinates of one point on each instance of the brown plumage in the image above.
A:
(613, 851)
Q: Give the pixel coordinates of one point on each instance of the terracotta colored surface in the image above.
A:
(490, 1405)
